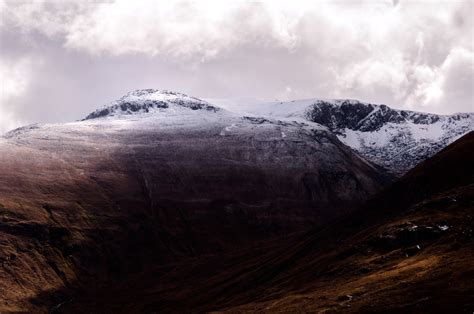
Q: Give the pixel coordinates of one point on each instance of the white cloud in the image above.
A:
(370, 76)
(183, 29)
(409, 54)
(445, 88)
(51, 18)
(186, 30)
(14, 80)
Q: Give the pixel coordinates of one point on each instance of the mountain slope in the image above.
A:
(156, 178)
(414, 255)
(394, 139)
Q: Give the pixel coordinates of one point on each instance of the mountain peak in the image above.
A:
(144, 101)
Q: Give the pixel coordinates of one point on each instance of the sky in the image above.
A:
(60, 60)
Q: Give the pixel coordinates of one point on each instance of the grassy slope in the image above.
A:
(395, 254)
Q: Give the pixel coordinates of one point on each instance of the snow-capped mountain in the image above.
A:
(181, 152)
(394, 139)
(149, 100)
(159, 179)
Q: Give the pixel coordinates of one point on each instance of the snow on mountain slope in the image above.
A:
(140, 183)
(183, 139)
(150, 100)
(290, 110)
(394, 139)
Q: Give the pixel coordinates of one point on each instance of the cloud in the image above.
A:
(415, 55)
(451, 86)
(374, 78)
(15, 78)
(183, 29)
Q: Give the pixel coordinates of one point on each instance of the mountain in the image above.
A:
(149, 100)
(408, 250)
(395, 139)
(158, 178)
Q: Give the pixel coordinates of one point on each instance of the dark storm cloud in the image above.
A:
(61, 60)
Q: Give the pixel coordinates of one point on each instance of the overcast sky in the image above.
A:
(59, 60)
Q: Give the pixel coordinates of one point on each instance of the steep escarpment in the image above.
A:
(354, 115)
(88, 203)
(395, 139)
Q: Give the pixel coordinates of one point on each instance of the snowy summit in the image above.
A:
(394, 139)
(149, 100)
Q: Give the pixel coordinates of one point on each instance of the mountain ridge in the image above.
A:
(395, 139)
(392, 138)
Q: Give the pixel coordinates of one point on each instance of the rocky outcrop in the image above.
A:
(149, 100)
(395, 139)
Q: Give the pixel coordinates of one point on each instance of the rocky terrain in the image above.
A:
(157, 178)
(149, 101)
(395, 139)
